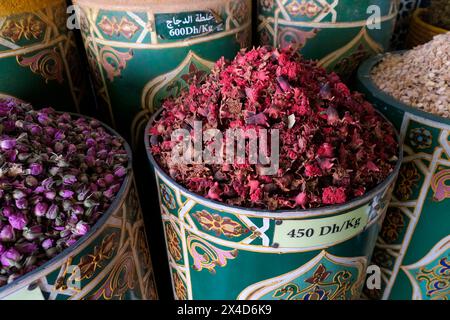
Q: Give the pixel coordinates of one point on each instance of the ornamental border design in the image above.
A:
(433, 254)
(261, 288)
(93, 38)
(53, 38)
(399, 251)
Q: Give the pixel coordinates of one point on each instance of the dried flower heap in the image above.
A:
(58, 175)
(333, 145)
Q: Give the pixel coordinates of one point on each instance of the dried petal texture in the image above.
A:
(331, 139)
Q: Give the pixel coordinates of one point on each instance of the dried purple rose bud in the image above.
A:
(40, 209)
(48, 243)
(8, 211)
(18, 221)
(22, 203)
(52, 212)
(81, 228)
(120, 171)
(10, 258)
(32, 233)
(7, 144)
(31, 181)
(66, 194)
(43, 119)
(19, 194)
(36, 169)
(69, 179)
(77, 209)
(50, 195)
(109, 179)
(48, 183)
(7, 234)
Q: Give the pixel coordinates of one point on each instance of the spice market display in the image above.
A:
(412, 89)
(59, 175)
(321, 125)
(338, 159)
(224, 150)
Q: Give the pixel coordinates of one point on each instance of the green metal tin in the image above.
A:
(334, 32)
(39, 59)
(141, 52)
(111, 262)
(218, 251)
(413, 250)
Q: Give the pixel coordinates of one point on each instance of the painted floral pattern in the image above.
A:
(266, 5)
(207, 256)
(220, 225)
(420, 138)
(436, 279)
(112, 27)
(441, 186)
(90, 263)
(179, 287)
(167, 197)
(122, 279)
(321, 286)
(393, 225)
(295, 38)
(306, 8)
(47, 63)
(173, 242)
(114, 61)
(407, 181)
(28, 27)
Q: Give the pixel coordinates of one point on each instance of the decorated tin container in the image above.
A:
(413, 250)
(39, 59)
(217, 251)
(421, 32)
(335, 32)
(143, 51)
(111, 262)
(405, 12)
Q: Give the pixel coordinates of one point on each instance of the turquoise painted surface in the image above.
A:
(416, 232)
(39, 61)
(341, 25)
(126, 59)
(225, 254)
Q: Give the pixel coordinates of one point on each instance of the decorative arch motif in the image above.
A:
(430, 276)
(325, 277)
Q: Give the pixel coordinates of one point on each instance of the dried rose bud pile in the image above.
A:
(336, 149)
(58, 175)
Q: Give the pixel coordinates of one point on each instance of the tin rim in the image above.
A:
(280, 214)
(39, 272)
(418, 18)
(364, 77)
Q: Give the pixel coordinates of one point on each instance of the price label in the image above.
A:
(188, 24)
(319, 232)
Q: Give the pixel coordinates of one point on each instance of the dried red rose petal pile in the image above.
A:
(338, 149)
(58, 175)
